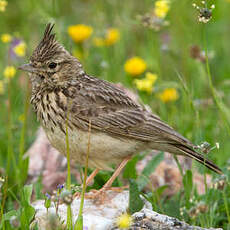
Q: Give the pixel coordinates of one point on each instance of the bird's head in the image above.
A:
(51, 65)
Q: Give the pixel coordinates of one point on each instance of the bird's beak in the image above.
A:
(28, 68)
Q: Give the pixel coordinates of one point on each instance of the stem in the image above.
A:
(23, 133)
(69, 217)
(68, 183)
(207, 63)
(79, 221)
(178, 165)
(4, 195)
(193, 107)
(210, 85)
(226, 206)
(221, 106)
(10, 156)
(85, 174)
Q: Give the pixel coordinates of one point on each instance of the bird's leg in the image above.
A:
(108, 184)
(91, 176)
(88, 180)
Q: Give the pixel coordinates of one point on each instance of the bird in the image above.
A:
(119, 126)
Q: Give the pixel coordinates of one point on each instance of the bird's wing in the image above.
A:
(110, 110)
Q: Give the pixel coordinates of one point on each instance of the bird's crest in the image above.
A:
(48, 46)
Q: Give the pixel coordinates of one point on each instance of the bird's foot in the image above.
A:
(117, 189)
(93, 194)
(100, 196)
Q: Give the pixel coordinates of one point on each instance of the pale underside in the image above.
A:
(104, 149)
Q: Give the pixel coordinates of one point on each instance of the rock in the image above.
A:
(168, 173)
(148, 219)
(104, 216)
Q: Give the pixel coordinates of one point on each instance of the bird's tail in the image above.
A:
(188, 151)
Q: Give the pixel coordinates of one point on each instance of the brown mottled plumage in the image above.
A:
(120, 126)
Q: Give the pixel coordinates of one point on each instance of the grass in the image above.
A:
(200, 113)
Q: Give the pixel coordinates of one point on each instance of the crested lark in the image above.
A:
(120, 126)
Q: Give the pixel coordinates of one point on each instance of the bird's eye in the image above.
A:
(52, 65)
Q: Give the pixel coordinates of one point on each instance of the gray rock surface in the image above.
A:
(148, 219)
(104, 216)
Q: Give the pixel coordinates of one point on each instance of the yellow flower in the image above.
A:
(6, 38)
(80, 32)
(124, 221)
(147, 83)
(144, 85)
(169, 94)
(3, 5)
(98, 42)
(20, 49)
(9, 72)
(112, 36)
(151, 77)
(135, 66)
(161, 8)
(2, 89)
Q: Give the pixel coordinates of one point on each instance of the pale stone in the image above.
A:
(104, 216)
